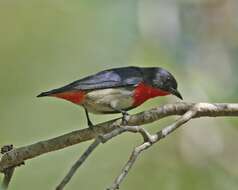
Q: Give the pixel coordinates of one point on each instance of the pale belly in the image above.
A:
(108, 100)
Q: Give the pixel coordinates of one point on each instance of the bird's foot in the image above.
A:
(97, 134)
(125, 115)
(90, 125)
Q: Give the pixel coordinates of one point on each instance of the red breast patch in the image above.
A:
(144, 92)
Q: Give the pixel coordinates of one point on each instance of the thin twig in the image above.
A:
(85, 155)
(7, 178)
(103, 139)
(8, 173)
(138, 129)
(154, 138)
(78, 163)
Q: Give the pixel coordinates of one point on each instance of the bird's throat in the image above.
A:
(144, 92)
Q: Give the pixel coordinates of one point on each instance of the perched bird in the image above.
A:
(117, 90)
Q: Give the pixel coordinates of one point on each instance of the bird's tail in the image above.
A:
(54, 91)
(44, 94)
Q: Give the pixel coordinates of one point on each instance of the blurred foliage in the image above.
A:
(46, 44)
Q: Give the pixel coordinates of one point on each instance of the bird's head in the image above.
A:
(163, 80)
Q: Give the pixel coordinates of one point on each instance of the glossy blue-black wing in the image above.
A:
(112, 78)
(119, 77)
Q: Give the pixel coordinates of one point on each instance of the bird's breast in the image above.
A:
(144, 92)
(109, 100)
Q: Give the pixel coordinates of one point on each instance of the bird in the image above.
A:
(117, 90)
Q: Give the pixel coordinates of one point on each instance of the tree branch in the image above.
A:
(17, 156)
(147, 144)
(197, 110)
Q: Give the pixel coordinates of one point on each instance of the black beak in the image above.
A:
(176, 93)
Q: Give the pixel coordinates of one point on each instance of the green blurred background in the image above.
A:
(46, 44)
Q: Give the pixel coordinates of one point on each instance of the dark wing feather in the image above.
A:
(110, 78)
(119, 77)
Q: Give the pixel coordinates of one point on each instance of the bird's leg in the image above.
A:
(124, 115)
(90, 124)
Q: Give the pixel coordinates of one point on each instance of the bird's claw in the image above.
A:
(125, 118)
(90, 124)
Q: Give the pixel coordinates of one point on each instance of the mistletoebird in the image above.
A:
(117, 90)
